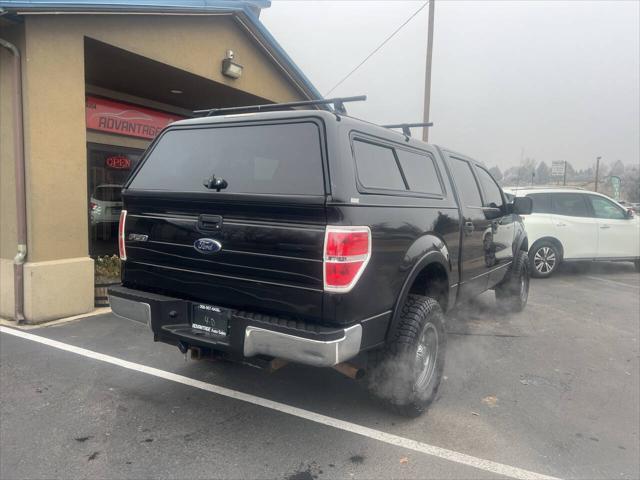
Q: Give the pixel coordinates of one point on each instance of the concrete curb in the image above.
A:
(53, 323)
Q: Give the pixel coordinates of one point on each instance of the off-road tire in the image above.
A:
(513, 292)
(544, 258)
(393, 373)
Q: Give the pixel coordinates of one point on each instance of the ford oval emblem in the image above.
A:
(207, 245)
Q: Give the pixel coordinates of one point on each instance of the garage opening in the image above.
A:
(129, 100)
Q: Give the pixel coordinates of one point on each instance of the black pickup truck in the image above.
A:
(313, 237)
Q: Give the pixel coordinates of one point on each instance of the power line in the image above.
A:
(377, 48)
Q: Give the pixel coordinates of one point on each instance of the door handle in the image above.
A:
(604, 226)
(209, 223)
(561, 224)
(468, 228)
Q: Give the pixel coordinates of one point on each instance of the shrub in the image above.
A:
(108, 266)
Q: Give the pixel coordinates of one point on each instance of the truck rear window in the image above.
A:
(262, 159)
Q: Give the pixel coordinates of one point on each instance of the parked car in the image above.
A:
(627, 206)
(313, 237)
(571, 224)
(632, 207)
(105, 204)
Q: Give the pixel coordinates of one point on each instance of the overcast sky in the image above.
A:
(559, 79)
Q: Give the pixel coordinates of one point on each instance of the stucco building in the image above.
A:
(99, 80)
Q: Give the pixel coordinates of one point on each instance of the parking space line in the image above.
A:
(395, 440)
(614, 282)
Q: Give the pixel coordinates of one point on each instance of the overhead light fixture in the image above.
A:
(230, 68)
(176, 91)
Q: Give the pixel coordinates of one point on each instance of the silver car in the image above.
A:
(105, 204)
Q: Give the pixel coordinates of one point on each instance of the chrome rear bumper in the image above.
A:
(260, 341)
(131, 309)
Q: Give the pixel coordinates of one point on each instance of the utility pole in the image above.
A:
(597, 170)
(427, 74)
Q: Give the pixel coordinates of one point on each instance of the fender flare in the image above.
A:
(434, 255)
(521, 238)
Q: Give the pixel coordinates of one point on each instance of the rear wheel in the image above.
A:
(407, 373)
(544, 258)
(513, 292)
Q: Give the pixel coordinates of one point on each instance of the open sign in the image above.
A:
(119, 162)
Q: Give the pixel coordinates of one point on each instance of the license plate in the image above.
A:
(210, 319)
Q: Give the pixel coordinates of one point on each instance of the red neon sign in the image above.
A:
(118, 162)
(125, 119)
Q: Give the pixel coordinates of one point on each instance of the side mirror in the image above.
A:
(491, 213)
(630, 213)
(522, 206)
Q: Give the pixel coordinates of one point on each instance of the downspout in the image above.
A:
(21, 202)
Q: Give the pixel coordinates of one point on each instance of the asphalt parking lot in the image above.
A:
(553, 390)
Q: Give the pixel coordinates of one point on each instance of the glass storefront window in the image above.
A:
(109, 167)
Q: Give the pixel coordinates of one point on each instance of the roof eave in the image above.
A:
(244, 12)
(199, 6)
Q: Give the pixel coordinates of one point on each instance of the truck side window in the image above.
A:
(541, 202)
(377, 166)
(420, 172)
(466, 183)
(493, 197)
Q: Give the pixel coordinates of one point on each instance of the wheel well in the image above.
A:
(433, 282)
(553, 240)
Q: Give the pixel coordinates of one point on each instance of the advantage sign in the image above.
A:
(557, 169)
(125, 119)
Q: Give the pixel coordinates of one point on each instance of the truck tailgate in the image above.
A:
(232, 215)
(270, 260)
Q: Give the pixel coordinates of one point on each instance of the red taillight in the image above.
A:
(93, 206)
(121, 246)
(346, 244)
(346, 253)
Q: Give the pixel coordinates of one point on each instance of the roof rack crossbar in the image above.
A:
(338, 105)
(406, 127)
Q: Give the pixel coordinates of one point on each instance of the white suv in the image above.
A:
(570, 224)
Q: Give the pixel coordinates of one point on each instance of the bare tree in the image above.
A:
(617, 169)
(496, 173)
(631, 184)
(543, 173)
